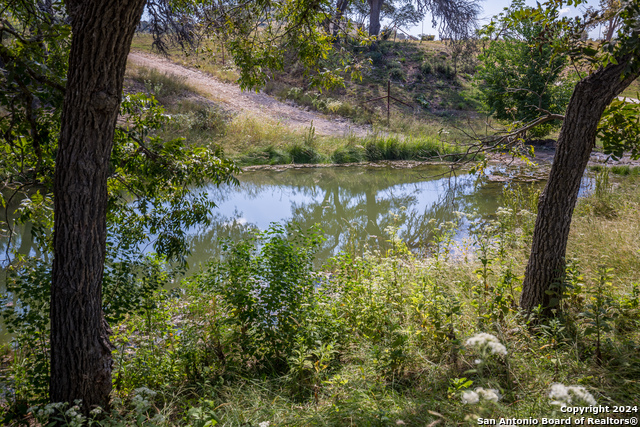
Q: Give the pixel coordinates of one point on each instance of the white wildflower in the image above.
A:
(470, 397)
(564, 395)
(488, 394)
(497, 348)
(483, 340)
(477, 361)
(559, 393)
(264, 424)
(142, 391)
(582, 394)
(157, 419)
(504, 212)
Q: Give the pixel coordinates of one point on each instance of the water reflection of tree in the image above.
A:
(353, 206)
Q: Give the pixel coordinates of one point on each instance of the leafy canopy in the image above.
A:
(518, 79)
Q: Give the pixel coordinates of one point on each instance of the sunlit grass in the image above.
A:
(206, 57)
(606, 230)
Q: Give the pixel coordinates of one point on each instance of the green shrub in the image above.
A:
(396, 71)
(423, 102)
(444, 69)
(398, 74)
(426, 68)
(348, 154)
(516, 82)
(270, 155)
(161, 84)
(267, 284)
(377, 58)
(625, 170)
(201, 116)
(303, 153)
(295, 93)
(391, 148)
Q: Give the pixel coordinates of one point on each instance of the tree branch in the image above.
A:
(8, 57)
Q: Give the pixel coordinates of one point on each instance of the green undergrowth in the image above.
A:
(354, 150)
(622, 170)
(261, 337)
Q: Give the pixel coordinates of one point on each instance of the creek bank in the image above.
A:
(509, 168)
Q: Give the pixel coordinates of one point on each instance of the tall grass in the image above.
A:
(160, 84)
(606, 230)
(622, 170)
(394, 148)
(254, 140)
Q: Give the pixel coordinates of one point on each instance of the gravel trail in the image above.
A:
(258, 104)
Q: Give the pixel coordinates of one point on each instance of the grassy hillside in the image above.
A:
(421, 74)
(259, 140)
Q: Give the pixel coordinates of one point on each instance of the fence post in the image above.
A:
(388, 100)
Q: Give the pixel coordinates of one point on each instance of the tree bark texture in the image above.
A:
(575, 143)
(341, 7)
(374, 17)
(80, 349)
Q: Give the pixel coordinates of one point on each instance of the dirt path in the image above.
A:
(257, 104)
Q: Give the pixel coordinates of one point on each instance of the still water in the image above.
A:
(352, 205)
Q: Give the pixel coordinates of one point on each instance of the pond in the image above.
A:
(353, 205)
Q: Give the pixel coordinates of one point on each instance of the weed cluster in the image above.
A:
(161, 85)
(437, 64)
(324, 103)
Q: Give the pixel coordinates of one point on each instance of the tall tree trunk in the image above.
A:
(341, 7)
(80, 349)
(612, 26)
(374, 17)
(575, 143)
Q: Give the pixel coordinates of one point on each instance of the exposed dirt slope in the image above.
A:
(257, 104)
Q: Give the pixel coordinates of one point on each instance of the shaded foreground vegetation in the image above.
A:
(374, 339)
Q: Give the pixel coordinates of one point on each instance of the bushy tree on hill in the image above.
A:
(519, 81)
